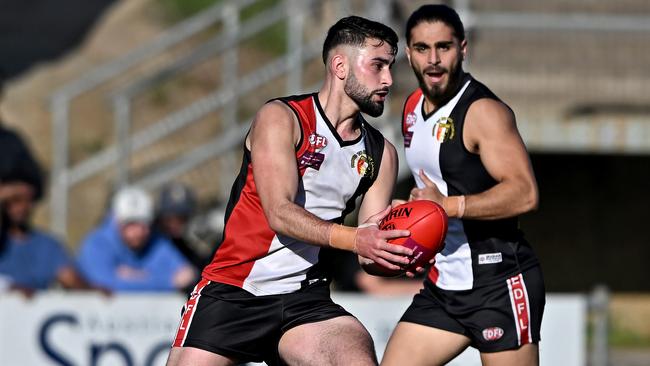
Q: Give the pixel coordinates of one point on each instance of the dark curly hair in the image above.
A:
(354, 31)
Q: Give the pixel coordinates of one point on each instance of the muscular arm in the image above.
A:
(491, 131)
(272, 141)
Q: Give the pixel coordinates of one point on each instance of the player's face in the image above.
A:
(436, 57)
(135, 234)
(19, 204)
(369, 78)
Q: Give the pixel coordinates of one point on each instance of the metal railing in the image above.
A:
(64, 176)
(233, 31)
(62, 98)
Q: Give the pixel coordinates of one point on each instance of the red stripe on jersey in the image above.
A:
(434, 274)
(307, 119)
(520, 308)
(409, 107)
(247, 237)
(188, 313)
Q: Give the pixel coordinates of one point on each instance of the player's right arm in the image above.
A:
(274, 134)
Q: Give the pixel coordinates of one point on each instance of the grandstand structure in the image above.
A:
(573, 72)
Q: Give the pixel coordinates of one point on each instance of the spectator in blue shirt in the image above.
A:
(123, 254)
(30, 259)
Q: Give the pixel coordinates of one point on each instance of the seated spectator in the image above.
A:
(123, 254)
(176, 206)
(29, 258)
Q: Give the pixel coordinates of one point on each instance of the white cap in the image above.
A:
(132, 204)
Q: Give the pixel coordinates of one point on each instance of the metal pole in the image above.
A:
(600, 316)
(59, 187)
(122, 107)
(295, 28)
(230, 77)
(229, 74)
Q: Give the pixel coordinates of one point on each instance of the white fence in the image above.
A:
(78, 329)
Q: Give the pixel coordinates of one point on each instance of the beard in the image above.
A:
(363, 97)
(440, 92)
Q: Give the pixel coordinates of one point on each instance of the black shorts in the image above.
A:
(232, 322)
(495, 318)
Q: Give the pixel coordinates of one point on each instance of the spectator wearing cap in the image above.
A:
(176, 206)
(124, 254)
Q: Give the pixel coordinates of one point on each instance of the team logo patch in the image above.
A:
(362, 163)
(410, 120)
(317, 141)
(443, 129)
(492, 334)
(490, 258)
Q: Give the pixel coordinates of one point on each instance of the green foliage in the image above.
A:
(256, 8)
(627, 338)
(272, 40)
(179, 9)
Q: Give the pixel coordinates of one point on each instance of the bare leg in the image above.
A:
(526, 355)
(418, 345)
(189, 356)
(338, 341)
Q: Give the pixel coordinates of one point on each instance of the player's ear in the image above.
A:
(407, 50)
(339, 66)
(463, 49)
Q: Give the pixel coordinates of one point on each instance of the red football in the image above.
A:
(427, 222)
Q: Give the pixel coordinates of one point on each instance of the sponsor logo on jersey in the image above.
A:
(492, 334)
(443, 129)
(311, 159)
(408, 136)
(410, 120)
(362, 163)
(317, 141)
(490, 258)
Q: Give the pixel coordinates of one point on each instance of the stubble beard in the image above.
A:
(362, 97)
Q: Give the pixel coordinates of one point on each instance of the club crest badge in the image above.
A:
(362, 163)
(443, 129)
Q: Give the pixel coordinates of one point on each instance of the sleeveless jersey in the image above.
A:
(476, 252)
(333, 173)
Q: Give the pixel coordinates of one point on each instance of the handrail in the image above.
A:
(181, 118)
(61, 98)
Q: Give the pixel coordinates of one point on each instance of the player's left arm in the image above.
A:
(491, 131)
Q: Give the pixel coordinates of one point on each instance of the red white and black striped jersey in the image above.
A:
(476, 252)
(332, 173)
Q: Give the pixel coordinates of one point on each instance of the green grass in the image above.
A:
(272, 39)
(627, 339)
(180, 9)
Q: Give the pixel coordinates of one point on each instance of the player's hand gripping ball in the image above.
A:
(427, 222)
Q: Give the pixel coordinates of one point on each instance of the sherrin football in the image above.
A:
(427, 222)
